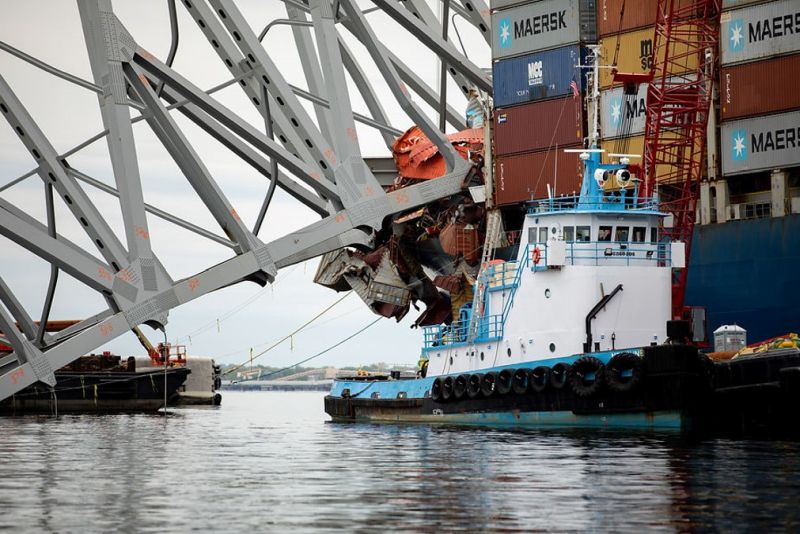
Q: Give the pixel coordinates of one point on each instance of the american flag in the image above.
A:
(575, 91)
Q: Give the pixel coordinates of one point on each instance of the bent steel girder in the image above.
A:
(314, 157)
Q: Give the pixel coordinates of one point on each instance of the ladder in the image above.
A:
(493, 234)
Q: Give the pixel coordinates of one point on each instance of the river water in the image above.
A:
(272, 462)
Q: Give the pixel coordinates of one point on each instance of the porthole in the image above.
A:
(481, 356)
(552, 347)
(451, 360)
(508, 351)
(553, 230)
(547, 293)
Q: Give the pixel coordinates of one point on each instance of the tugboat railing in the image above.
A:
(605, 202)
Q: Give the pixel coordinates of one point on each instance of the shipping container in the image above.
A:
(539, 125)
(633, 145)
(759, 88)
(538, 76)
(636, 55)
(760, 31)
(621, 114)
(637, 15)
(523, 177)
(731, 4)
(543, 25)
(761, 143)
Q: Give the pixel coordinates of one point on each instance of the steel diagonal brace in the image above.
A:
(252, 86)
(104, 42)
(378, 53)
(434, 41)
(189, 162)
(352, 187)
(14, 306)
(477, 12)
(230, 120)
(25, 351)
(51, 170)
(32, 235)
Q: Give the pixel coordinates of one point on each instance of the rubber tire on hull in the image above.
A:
(504, 381)
(520, 381)
(539, 378)
(618, 364)
(489, 384)
(447, 388)
(559, 375)
(583, 366)
(474, 385)
(460, 386)
(436, 390)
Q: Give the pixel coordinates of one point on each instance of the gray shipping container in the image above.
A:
(761, 143)
(760, 31)
(543, 25)
(616, 109)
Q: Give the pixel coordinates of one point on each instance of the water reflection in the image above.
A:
(269, 461)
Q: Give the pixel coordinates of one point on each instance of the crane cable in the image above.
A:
(289, 335)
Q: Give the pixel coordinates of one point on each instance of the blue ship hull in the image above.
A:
(746, 273)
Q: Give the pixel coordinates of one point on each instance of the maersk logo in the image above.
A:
(736, 35)
(535, 73)
(616, 111)
(739, 145)
(504, 33)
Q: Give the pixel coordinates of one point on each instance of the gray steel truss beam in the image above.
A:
(102, 35)
(477, 12)
(434, 41)
(51, 170)
(26, 352)
(351, 188)
(14, 306)
(31, 234)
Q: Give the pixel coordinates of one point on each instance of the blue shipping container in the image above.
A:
(538, 76)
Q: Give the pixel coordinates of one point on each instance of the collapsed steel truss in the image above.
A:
(317, 161)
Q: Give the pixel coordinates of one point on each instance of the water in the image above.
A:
(270, 462)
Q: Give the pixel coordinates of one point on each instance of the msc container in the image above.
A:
(538, 76)
(760, 31)
(761, 143)
(537, 126)
(522, 177)
(760, 88)
(636, 54)
(543, 25)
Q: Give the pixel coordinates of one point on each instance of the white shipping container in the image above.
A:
(760, 31)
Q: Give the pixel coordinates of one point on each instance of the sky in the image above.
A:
(229, 323)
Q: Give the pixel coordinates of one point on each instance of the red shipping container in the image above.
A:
(759, 88)
(522, 177)
(538, 126)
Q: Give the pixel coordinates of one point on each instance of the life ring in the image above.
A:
(460, 386)
(489, 384)
(559, 375)
(474, 385)
(519, 383)
(447, 388)
(536, 256)
(504, 381)
(539, 378)
(436, 390)
(624, 372)
(587, 376)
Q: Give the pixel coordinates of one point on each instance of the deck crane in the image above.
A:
(678, 102)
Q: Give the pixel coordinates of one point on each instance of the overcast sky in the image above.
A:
(249, 316)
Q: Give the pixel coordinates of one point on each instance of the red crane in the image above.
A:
(678, 102)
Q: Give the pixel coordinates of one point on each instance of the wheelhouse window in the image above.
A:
(639, 233)
(569, 233)
(604, 233)
(543, 234)
(653, 235)
(532, 235)
(622, 234)
(583, 233)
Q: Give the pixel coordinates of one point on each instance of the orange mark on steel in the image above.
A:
(235, 214)
(141, 232)
(403, 88)
(103, 273)
(16, 375)
(351, 133)
(145, 54)
(339, 217)
(369, 191)
(124, 275)
(402, 198)
(330, 156)
(194, 283)
(315, 175)
(143, 78)
(106, 329)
